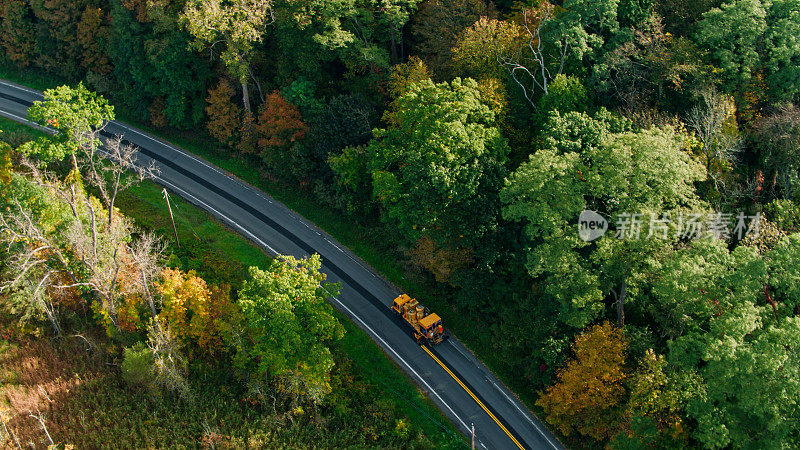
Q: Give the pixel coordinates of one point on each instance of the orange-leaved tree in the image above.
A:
(280, 127)
(224, 116)
(589, 393)
(93, 35)
(17, 32)
(193, 310)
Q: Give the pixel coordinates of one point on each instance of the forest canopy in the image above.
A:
(476, 139)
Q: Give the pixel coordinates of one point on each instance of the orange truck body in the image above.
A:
(427, 327)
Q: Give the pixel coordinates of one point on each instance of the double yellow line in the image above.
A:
(477, 400)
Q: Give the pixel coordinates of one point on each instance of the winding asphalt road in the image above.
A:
(460, 385)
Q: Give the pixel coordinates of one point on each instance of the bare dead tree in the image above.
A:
(86, 253)
(117, 171)
(36, 265)
(10, 433)
(530, 65)
(147, 253)
(778, 139)
(104, 252)
(169, 365)
(40, 418)
(720, 147)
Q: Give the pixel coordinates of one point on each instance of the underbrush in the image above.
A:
(74, 385)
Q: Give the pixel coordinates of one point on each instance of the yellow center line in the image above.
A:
(480, 403)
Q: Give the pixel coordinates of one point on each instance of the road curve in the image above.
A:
(460, 385)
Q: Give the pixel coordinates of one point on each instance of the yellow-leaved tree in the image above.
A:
(194, 311)
(589, 393)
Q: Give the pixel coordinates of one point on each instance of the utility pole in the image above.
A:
(175, 230)
(473, 436)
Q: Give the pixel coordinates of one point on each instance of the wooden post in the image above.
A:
(175, 230)
(473, 436)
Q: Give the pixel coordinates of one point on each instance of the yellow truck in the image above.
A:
(427, 327)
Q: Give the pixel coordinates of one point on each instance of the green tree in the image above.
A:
(290, 324)
(732, 345)
(239, 25)
(566, 93)
(586, 163)
(354, 32)
(155, 75)
(733, 34)
(643, 70)
(77, 114)
(783, 49)
(436, 170)
(652, 415)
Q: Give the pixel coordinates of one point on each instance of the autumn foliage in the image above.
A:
(223, 115)
(590, 387)
(92, 36)
(279, 127)
(194, 311)
(16, 34)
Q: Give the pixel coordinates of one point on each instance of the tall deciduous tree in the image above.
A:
(17, 34)
(193, 310)
(77, 114)
(290, 324)
(437, 27)
(734, 341)
(437, 168)
(280, 129)
(590, 387)
(93, 35)
(777, 138)
(745, 36)
(586, 164)
(224, 116)
(783, 49)
(57, 38)
(479, 47)
(239, 25)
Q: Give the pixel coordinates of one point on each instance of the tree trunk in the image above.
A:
(94, 231)
(149, 296)
(393, 46)
(113, 198)
(623, 291)
(246, 98)
(75, 163)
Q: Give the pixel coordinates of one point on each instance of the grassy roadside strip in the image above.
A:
(363, 242)
(221, 256)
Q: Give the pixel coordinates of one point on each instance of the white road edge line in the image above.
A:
(25, 121)
(544, 435)
(401, 359)
(21, 88)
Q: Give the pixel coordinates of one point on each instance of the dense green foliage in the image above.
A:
(470, 135)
